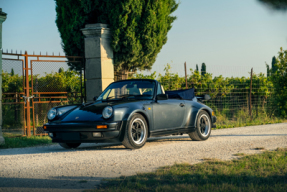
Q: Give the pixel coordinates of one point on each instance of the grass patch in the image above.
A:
(261, 172)
(226, 119)
(83, 181)
(18, 141)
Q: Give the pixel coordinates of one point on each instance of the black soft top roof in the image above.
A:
(181, 94)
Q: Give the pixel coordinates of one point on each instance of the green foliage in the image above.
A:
(11, 82)
(203, 69)
(139, 28)
(276, 4)
(56, 81)
(63, 81)
(279, 80)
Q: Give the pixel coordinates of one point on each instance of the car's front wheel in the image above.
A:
(70, 145)
(136, 132)
(203, 127)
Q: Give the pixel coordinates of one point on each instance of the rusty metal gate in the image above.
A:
(32, 84)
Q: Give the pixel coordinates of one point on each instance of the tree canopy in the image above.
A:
(139, 28)
(276, 4)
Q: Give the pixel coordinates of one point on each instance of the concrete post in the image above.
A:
(3, 17)
(99, 66)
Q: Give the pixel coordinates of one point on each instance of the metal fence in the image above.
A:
(33, 84)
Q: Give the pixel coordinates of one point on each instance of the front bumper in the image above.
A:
(83, 132)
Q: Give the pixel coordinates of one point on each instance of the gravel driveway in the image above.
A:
(52, 168)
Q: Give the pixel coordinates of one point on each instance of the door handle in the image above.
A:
(182, 105)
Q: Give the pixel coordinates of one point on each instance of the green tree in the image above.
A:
(139, 28)
(267, 70)
(274, 67)
(276, 4)
(203, 69)
(279, 80)
(61, 70)
(196, 69)
(12, 72)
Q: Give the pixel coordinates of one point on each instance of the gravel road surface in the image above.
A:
(52, 168)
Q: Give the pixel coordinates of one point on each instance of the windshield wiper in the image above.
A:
(127, 96)
(109, 98)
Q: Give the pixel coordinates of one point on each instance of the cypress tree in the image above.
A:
(61, 70)
(203, 69)
(196, 69)
(139, 28)
(268, 70)
(274, 67)
(12, 72)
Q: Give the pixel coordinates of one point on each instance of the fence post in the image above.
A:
(250, 95)
(185, 75)
(3, 17)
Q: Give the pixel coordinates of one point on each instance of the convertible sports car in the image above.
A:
(130, 111)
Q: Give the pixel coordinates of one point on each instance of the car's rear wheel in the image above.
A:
(203, 127)
(136, 132)
(70, 145)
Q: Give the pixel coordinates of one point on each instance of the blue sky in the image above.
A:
(230, 36)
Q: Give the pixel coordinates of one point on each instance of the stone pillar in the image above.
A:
(2, 19)
(99, 66)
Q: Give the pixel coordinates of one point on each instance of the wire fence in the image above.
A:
(229, 95)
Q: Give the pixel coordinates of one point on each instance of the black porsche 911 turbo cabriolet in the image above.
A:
(130, 111)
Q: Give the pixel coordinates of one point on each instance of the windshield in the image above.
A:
(135, 89)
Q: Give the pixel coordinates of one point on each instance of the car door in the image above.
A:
(168, 114)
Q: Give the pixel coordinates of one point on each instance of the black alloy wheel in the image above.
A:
(203, 127)
(136, 132)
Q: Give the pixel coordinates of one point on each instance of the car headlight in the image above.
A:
(52, 114)
(107, 112)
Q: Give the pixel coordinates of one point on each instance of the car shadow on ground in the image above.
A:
(108, 146)
(62, 183)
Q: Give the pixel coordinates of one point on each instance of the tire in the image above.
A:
(136, 132)
(203, 127)
(70, 145)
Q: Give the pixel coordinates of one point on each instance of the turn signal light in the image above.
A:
(45, 127)
(102, 126)
(213, 113)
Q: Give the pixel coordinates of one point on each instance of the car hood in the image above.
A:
(93, 111)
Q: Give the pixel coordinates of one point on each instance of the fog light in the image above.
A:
(51, 134)
(97, 134)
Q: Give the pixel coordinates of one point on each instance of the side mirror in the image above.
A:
(162, 97)
(206, 97)
(95, 98)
